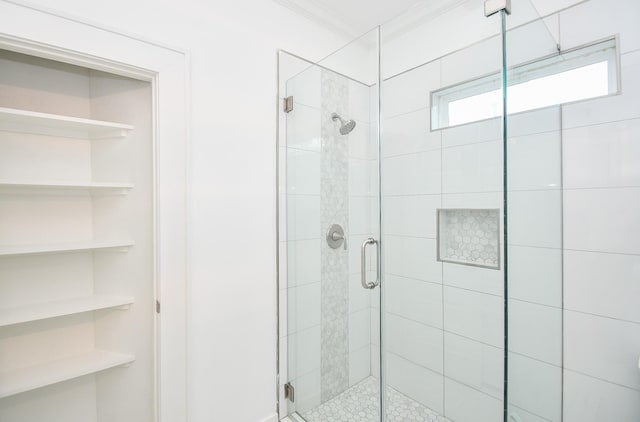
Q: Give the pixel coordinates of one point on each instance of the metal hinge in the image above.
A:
(492, 7)
(157, 306)
(289, 392)
(288, 104)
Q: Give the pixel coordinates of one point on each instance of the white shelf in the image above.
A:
(24, 121)
(63, 247)
(39, 311)
(48, 373)
(93, 188)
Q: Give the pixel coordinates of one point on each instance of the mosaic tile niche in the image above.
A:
(469, 236)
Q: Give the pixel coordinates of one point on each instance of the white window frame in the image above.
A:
(584, 55)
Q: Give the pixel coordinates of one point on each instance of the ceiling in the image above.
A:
(355, 17)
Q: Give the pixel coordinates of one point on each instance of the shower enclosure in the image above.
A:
(430, 232)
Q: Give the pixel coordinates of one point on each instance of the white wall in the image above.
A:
(232, 236)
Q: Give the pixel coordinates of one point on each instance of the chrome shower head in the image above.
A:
(345, 126)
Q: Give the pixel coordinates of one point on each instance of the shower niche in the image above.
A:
(469, 236)
(77, 311)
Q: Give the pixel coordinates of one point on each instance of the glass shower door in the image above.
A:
(328, 209)
(442, 175)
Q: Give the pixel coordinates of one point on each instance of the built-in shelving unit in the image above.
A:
(11, 186)
(63, 247)
(58, 308)
(48, 373)
(16, 120)
(71, 184)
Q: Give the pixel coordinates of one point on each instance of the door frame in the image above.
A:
(75, 41)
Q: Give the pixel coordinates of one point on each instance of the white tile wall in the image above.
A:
(360, 183)
(303, 217)
(416, 342)
(483, 131)
(303, 128)
(303, 310)
(303, 172)
(601, 208)
(409, 133)
(587, 399)
(482, 280)
(621, 19)
(416, 300)
(520, 49)
(359, 329)
(411, 215)
(474, 364)
(305, 87)
(359, 102)
(603, 284)
(604, 155)
(456, 68)
(412, 257)
(605, 227)
(536, 331)
(359, 215)
(535, 161)
(303, 262)
(474, 315)
(535, 275)
(523, 415)
(535, 218)
(307, 391)
(546, 7)
(605, 348)
(535, 386)
(412, 174)
(304, 352)
(360, 142)
(359, 298)
(466, 404)
(535, 121)
(415, 381)
(359, 365)
(472, 168)
(410, 91)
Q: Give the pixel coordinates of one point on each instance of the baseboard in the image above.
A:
(271, 418)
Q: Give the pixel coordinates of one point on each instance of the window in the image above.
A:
(578, 74)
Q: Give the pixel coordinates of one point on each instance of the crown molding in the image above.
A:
(322, 16)
(418, 15)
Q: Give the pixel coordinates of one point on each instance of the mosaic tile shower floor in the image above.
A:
(360, 404)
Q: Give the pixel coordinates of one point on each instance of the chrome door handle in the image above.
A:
(363, 263)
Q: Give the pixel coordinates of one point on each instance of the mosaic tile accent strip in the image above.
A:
(469, 236)
(334, 208)
(360, 403)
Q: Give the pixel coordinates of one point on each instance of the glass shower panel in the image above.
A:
(328, 145)
(442, 207)
(534, 185)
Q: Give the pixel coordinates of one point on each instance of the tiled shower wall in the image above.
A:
(443, 321)
(573, 203)
(326, 344)
(601, 146)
